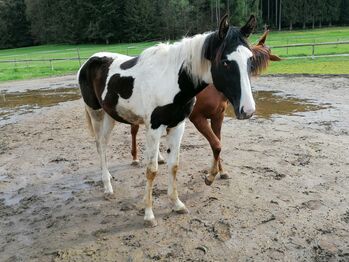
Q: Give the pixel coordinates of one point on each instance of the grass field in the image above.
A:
(329, 65)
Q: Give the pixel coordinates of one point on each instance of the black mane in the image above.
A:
(214, 45)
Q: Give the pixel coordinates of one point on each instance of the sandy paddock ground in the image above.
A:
(287, 198)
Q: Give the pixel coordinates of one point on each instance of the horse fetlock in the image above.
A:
(135, 162)
(108, 189)
(223, 175)
(209, 180)
(180, 208)
(150, 223)
(149, 219)
(173, 195)
(161, 159)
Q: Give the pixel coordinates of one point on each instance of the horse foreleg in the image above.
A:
(174, 138)
(134, 152)
(152, 152)
(102, 125)
(216, 125)
(203, 126)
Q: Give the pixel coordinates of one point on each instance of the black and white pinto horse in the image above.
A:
(158, 89)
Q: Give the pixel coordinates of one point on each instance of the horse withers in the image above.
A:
(158, 89)
(211, 105)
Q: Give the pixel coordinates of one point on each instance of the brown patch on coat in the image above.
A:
(174, 169)
(117, 87)
(151, 174)
(92, 80)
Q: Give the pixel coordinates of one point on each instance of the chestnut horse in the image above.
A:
(211, 104)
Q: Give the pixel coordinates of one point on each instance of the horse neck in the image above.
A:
(192, 59)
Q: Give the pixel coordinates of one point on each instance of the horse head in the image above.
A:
(262, 55)
(230, 57)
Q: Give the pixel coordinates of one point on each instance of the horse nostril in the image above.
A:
(248, 112)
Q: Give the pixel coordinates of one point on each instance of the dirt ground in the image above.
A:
(287, 198)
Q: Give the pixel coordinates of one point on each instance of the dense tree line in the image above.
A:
(26, 22)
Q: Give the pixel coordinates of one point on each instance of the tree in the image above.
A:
(14, 27)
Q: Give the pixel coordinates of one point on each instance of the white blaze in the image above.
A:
(240, 56)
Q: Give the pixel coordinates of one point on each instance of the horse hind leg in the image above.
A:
(174, 138)
(203, 126)
(134, 151)
(216, 125)
(102, 125)
(161, 159)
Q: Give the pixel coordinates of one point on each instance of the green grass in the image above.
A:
(330, 65)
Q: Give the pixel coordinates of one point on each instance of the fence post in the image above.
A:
(51, 65)
(78, 51)
(287, 47)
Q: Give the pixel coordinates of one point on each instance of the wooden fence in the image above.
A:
(313, 45)
(82, 59)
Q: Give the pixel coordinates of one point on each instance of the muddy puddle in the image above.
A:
(269, 103)
(18, 103)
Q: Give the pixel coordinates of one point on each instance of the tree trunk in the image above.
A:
(280, 16)
(291, 27)
(313, 25)
(276, 13)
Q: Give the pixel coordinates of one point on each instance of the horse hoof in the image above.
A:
(109, 196)
(161, 162)
(182, 211)
(224, 176)
(208, 182)
(135, 163)
(150, 223)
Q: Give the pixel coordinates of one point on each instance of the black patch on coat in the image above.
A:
(92, 79)
(129, 63)
(172, 114)
(117, 87)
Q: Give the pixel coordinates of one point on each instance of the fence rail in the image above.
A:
(80, 59)
(313, 48)
(311, 44)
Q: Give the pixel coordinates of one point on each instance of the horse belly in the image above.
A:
(130, 111)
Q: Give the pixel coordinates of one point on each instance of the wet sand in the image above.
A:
(287, 198)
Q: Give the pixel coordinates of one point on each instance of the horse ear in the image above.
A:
(261, 41)
(223, 27)
(274, 58)
(249, 27)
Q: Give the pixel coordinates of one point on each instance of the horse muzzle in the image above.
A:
(244, 115)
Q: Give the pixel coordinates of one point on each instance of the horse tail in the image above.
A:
(89, 122)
